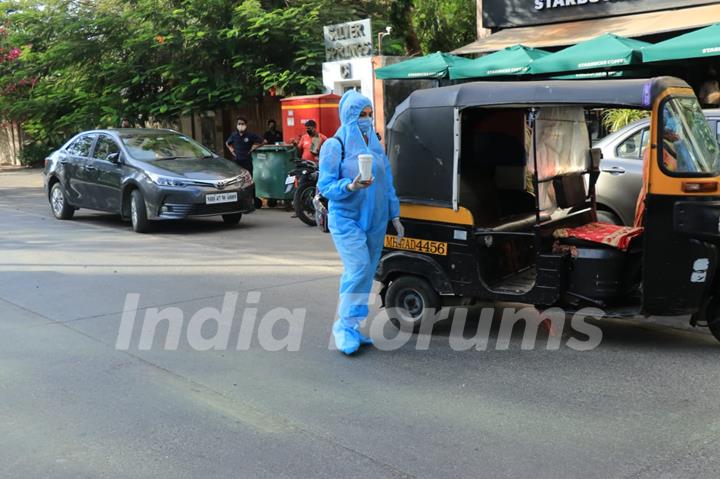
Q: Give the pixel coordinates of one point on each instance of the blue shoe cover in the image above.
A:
(364, 340)
(347, 339)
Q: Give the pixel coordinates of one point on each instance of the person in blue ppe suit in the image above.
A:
(675, 145)
(358, 212)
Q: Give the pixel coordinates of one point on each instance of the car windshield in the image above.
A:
(688, 144)
(162, 145)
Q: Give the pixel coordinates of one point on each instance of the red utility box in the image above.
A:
(297, 110)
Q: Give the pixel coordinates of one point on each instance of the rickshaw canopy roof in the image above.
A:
(421, 134)
(627, 93)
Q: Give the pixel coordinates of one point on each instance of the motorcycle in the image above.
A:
(303, 180)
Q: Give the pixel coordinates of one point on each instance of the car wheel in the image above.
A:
(232, 219)
(410, 301)
(604, 216)
(138, 213)
(58, 203)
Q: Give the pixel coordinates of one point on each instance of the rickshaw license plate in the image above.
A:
(415, 244)
(220, 198)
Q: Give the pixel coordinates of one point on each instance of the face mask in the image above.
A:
(365, 124)
(309, 132)
(242, 128)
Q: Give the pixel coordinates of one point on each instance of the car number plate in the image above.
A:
(415, 244)
(220, 198)
(290, 180)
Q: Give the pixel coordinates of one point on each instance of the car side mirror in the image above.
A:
(114, 158)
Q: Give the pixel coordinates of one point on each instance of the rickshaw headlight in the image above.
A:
(699, 186)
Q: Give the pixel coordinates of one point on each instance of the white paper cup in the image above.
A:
(365, 166)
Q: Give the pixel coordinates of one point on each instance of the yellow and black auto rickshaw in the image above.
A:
(496, 183)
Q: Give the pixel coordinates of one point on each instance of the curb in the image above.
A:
(13, 168)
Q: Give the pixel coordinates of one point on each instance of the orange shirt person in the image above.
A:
(310, 142)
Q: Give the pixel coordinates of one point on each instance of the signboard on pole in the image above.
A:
(348, 40)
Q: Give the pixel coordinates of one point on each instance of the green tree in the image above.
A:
(443, 25)
(79, 64)
(427, 26)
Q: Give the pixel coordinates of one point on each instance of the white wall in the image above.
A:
(361, 73)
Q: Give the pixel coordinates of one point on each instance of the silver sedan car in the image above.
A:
(621, 169)
(145, 174)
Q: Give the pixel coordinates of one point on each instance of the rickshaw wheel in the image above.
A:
(714, 328)
(712, 317)
(410, 300)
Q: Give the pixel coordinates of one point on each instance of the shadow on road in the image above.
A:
(635, 334)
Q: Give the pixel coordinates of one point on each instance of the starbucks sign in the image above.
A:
(517, 13)
(548, 4)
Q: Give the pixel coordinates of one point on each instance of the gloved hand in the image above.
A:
(399, 228)
(357, 184)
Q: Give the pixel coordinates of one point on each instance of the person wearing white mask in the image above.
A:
(241, 144)
(358, 212)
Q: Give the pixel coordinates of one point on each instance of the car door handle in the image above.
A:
(64, 161)
(90, 168)
(614, 170)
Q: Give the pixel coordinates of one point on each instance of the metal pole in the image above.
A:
(381, 35)
(536, 183)
(592, 177)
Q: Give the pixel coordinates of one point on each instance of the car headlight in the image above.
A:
(245, 178)
(161, 180)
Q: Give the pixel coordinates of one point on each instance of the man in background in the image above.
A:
(273, 135)
(241, 144)
(310, 142)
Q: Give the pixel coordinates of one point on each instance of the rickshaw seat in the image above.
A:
(599, 235)
(583, 243)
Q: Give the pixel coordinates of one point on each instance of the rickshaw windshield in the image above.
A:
(689, 146)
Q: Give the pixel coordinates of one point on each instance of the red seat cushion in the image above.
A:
(603, 233)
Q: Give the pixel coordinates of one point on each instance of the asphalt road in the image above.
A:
(643, 404)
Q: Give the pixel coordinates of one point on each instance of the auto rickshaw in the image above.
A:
(496, 183)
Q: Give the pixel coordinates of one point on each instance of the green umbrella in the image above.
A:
(602, 74)
(431, 66)
(513, 60)
(605, 51)
(700, 43)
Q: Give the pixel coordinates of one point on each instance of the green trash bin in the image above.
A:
(271, 165)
